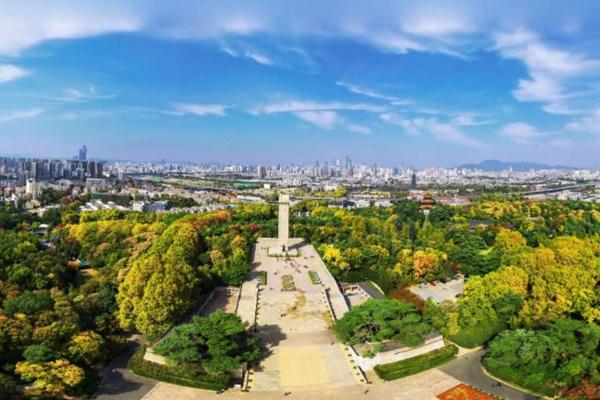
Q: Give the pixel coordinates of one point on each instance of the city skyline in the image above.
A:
(434, 84)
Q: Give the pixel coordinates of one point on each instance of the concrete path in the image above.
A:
(467, 369)
(423, 386)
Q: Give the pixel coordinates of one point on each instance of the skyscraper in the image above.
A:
(413, 182)
(83, 153)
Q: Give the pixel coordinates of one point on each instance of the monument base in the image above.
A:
(273, 247)
(279, 252)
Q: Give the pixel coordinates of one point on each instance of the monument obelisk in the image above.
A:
(283, 230)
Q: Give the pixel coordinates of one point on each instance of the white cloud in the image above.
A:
(396, 28)
(259, 58)
(393, 42)
(445, 131)
(469, 120)
(540, 88)
(93, 114)
(451, 133)
(310, 105)
(587, 124)
(520, 132)
(411, 126)
(253, 55)
(23, 25)
(72, 95)
(14, 115)
(322, 119)
(199, 110)
(552, 72)
(324, 115)
(438, 23)
(373, 94)
(10, 72)
(330, 120)
(356, 128)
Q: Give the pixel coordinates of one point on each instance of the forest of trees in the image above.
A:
(532, 273)
(68, 296)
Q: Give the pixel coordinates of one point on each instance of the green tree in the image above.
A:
(39, 353)
(382, 320)
(216, 344)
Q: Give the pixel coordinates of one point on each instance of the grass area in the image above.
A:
(410, 366)
(262, 277)
(287, 283)
(535, 383)
(169, 374)
(476, 336)
(314, 277)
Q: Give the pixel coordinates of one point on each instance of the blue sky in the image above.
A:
(420, 83)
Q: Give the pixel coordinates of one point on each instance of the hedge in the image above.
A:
(477, 336)
(169, 374)
(262, 277)
(314, 277)
(410, 366)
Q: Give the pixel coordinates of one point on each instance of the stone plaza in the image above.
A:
(295, 322)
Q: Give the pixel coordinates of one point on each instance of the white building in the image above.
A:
(33, 188)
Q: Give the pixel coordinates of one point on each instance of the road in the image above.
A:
(119, 383)
(468, 370)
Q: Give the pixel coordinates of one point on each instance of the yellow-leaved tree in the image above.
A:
(52, 377)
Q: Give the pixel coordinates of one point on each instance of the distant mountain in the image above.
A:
(496, 165)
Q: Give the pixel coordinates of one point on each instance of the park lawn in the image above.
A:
(170, 374)
(414, 365)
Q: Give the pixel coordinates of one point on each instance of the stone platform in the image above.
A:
(295, 323)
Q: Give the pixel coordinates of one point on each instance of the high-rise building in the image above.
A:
(83, 153)
(413, 181)
(33, 189)
(261, 171)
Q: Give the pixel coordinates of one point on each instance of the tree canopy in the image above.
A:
(216, 344)
(377, 321)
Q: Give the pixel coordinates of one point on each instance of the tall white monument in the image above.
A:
(283, 230)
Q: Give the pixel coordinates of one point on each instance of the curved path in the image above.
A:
(468, 369)
(118, 383)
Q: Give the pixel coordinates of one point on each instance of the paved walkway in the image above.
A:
(423, 386)
(467, 368)
(119, 383)
(296, 325)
